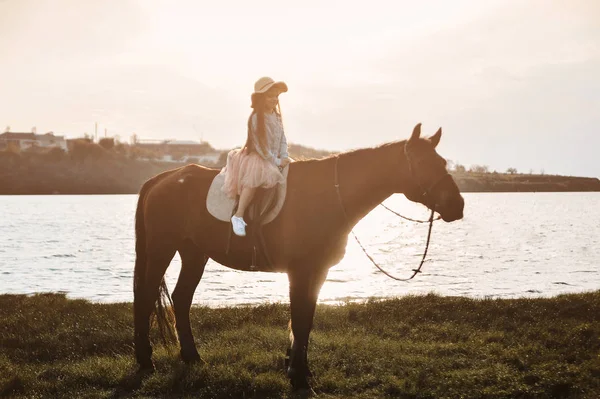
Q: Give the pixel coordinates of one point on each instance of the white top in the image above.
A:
(276, 141)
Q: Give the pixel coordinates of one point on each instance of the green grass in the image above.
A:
(411, 347)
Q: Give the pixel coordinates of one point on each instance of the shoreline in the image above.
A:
(522, 190)
(334, 303)
(462, 192)
(36, 174)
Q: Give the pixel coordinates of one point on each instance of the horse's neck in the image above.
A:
(367, 177)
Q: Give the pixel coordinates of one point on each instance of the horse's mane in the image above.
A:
(349, 152)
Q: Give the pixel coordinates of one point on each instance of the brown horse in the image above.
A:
(325, 199)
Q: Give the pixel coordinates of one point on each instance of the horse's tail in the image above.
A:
(163, 305)
(140, 245)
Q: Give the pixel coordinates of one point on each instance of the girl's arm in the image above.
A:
(283, 151)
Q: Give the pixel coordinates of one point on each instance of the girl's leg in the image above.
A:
(245, 199)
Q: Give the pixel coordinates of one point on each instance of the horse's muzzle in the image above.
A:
(451, 208)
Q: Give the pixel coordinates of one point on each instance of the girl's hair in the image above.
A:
(258, 108)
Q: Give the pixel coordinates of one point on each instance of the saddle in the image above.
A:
(265, 207)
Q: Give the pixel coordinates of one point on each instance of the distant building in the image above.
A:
(181, 150)
(29, 140)
(187, 147)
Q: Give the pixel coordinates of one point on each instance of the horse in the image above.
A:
(325, 199)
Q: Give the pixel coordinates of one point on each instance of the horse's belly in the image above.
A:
(245, 261)
(218, 242)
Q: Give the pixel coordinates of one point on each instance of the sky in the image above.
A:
(512, 83)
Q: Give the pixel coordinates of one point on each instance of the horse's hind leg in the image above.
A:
(158, 258)
(193, 262)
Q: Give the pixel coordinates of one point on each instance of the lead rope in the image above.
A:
(415, 271)
(409, 219)
(431, 219)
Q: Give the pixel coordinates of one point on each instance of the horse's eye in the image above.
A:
(420, 162)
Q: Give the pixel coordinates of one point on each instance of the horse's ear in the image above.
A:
(435, 139)
(415, 134)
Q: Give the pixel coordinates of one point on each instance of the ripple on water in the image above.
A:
(59, 256)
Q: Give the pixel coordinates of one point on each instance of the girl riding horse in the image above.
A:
(260, 162)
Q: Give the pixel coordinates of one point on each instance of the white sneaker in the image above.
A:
(239, 226)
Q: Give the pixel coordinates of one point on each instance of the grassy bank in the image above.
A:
(412, 347)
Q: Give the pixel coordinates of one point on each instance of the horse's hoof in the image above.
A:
(299, 383)
(292, 373)
(303, 393)
(146, 369)
(192, 358)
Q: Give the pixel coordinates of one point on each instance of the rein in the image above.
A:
(430, 221)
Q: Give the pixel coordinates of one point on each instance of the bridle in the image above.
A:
(426, 193)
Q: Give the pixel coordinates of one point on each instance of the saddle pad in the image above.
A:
(221, 206)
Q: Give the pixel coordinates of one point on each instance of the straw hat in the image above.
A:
(265, 83)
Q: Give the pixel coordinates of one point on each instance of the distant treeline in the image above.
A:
(503, 182)
(90, 168)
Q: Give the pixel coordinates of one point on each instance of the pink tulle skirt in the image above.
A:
(245, 169)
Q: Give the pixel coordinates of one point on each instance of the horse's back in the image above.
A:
(167, 196)
(173, 180)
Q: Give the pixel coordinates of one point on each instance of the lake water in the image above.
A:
(508, 245)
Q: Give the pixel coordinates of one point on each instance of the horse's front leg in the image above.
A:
(304, 292)
(193, 262)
